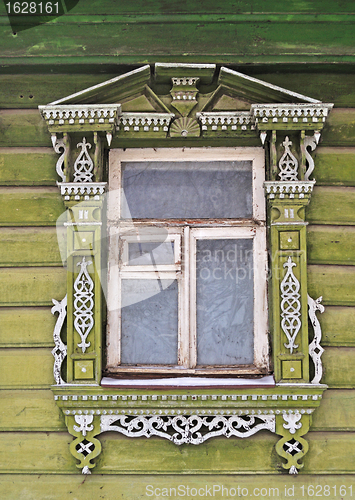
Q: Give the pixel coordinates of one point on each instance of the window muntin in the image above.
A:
(162, 252)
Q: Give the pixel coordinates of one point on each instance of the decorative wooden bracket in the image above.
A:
(189, 418)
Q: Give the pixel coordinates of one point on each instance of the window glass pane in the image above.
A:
(149, 321)
(163, 190)
(151, 253)
(224, 294)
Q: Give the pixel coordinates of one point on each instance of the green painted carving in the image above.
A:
(85, 446)
(292, 446)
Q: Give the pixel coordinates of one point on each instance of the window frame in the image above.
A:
(190, 231)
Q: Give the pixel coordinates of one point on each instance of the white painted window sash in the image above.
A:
(184, 270)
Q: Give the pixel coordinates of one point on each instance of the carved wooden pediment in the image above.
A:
(184, 100)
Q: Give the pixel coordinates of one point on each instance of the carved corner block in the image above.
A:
(292, 446)
(85, 446)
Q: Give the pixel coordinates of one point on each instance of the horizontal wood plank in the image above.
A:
(72, 487)
(30, 91)
(26, 327)
(30, 410)
(28, 166)
(26, 368)
(339, 129)
(334, 166)
(338, 365)
(187, 36)
(331, 245)
(332, 205)
(32, 286)
(23, 128)
(338, 326)
(30, 246)
(30, 206)
(336, 284)
(35, 453)
(335, 412)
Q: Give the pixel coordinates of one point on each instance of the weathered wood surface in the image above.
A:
(336, 411)
(26, 128)
(30, 91)
(338, 364)
(332, 205)
(336, 284)
(26, 368)
(30, 246)
(339, 129)
(174, 32)
(338, 326)
(35, 410)
(26, 327)
(73, 487)
(35, 453)
(334, 166)
(331, 245)
(28, 166)
(30, 206)
(32, 286)
(23, 128)
(30, 410)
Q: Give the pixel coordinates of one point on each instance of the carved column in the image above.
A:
(79, 135)
(283, 129)
(288, 260)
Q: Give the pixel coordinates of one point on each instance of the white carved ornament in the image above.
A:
(145, 122)
(83, 114)
(84, 422)
(310, 142)
(289, 189)
(83, 304)
(292, 422)
(288, 163)
(315, 349)
(290, 305)
(83, 166)
(291, 113)
(79, 191)
(193, 429)
(60, 349)
(58, 144)
(224, 120)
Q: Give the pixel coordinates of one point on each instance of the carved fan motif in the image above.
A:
(185, 127)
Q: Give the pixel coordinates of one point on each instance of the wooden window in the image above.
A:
(187, 261)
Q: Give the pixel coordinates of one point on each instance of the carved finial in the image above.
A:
(293, 470)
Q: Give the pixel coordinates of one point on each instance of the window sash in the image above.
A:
(185, 270)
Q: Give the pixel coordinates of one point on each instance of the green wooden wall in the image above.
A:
(304, 46)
